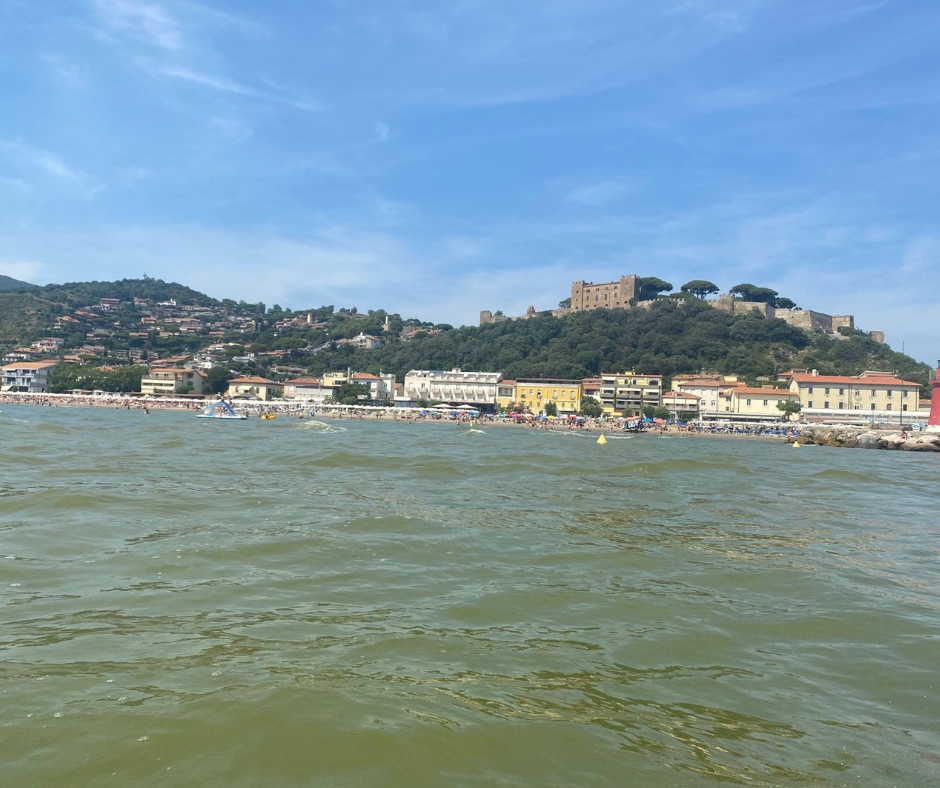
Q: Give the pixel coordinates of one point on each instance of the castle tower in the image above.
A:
(933, 425)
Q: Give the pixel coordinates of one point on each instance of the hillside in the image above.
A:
(672, 336)
(669, 338)
(9, 283)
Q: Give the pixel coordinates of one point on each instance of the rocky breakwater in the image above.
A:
(864, 438)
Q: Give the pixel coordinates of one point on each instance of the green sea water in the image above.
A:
(351, 603)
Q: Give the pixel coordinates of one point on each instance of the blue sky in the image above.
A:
(438, 158)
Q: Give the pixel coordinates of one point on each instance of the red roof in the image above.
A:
(255, 379)
(765, 392)
(305, 382)
(861, 381)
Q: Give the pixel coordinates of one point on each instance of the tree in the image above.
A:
(789, 407)
(649, 411)
(218, 378)
(784, 303)
(551, 409)
(591, 407)
(352, 394)
(699, 288)
(648, 287)
(749, 292)
(662, 412)
(565, 303)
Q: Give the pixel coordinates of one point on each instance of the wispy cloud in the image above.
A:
(50, 164)
(144, 22)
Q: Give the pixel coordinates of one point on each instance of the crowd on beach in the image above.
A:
(306, 410)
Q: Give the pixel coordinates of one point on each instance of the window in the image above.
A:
(888, 406)
(905, 393)
(841, 392)
(749, 403)
(809, 404)
(827, 389)
(873, 392)
(889, 392)
(873, 406)
(826, 405)
(765, 403)
(904, 407)
(810, 389)
(841, 406)
(555, 394)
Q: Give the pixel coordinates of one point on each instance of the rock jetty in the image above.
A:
(863, 438)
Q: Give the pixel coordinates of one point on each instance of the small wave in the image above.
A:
(320, 426)
(472, 431)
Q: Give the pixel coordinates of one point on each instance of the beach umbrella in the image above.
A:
(660, 421)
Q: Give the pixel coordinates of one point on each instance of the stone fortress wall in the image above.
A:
(586, 296)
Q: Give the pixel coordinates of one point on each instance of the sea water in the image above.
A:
(186, 602)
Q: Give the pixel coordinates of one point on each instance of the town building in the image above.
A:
(627, 393)
(31, 377)
(363, 341)
(591, 387)
(606, 295)
(506, 394)
(109, 304)
(743, 403)
(310, 390)
(455, 387)
(878, 395)
(167, 381)
(681, 405)
(381, 386)
(254, 387)
(708, 388)
(534, 394)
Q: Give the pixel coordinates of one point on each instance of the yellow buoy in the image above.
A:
(602, 440)
(796, 444)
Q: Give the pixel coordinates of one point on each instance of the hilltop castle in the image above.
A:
(619, 295)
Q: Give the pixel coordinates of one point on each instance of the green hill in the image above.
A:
(9, 283)
(669, 338)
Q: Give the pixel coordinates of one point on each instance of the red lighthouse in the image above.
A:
(933, 425)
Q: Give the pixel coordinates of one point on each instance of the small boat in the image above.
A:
(267, 416)
(220, 410)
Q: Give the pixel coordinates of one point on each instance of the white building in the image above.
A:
(27, 376)
(381, 387)
(679, 402)
(455, 387)
(309, 390)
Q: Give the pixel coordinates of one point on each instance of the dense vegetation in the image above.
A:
(78, 294)
(9, 283)
(674, 335)
(671, 337)
(66, 377)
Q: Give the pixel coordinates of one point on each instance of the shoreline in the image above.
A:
(300, 410)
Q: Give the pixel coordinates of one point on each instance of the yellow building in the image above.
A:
(627, 393)
(254, 387)
(172, 380)
(335, 379)
(534, 394)
(871, 392)
(742, 403)
(505, 394)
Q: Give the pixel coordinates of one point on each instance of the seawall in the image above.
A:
(864, 438)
